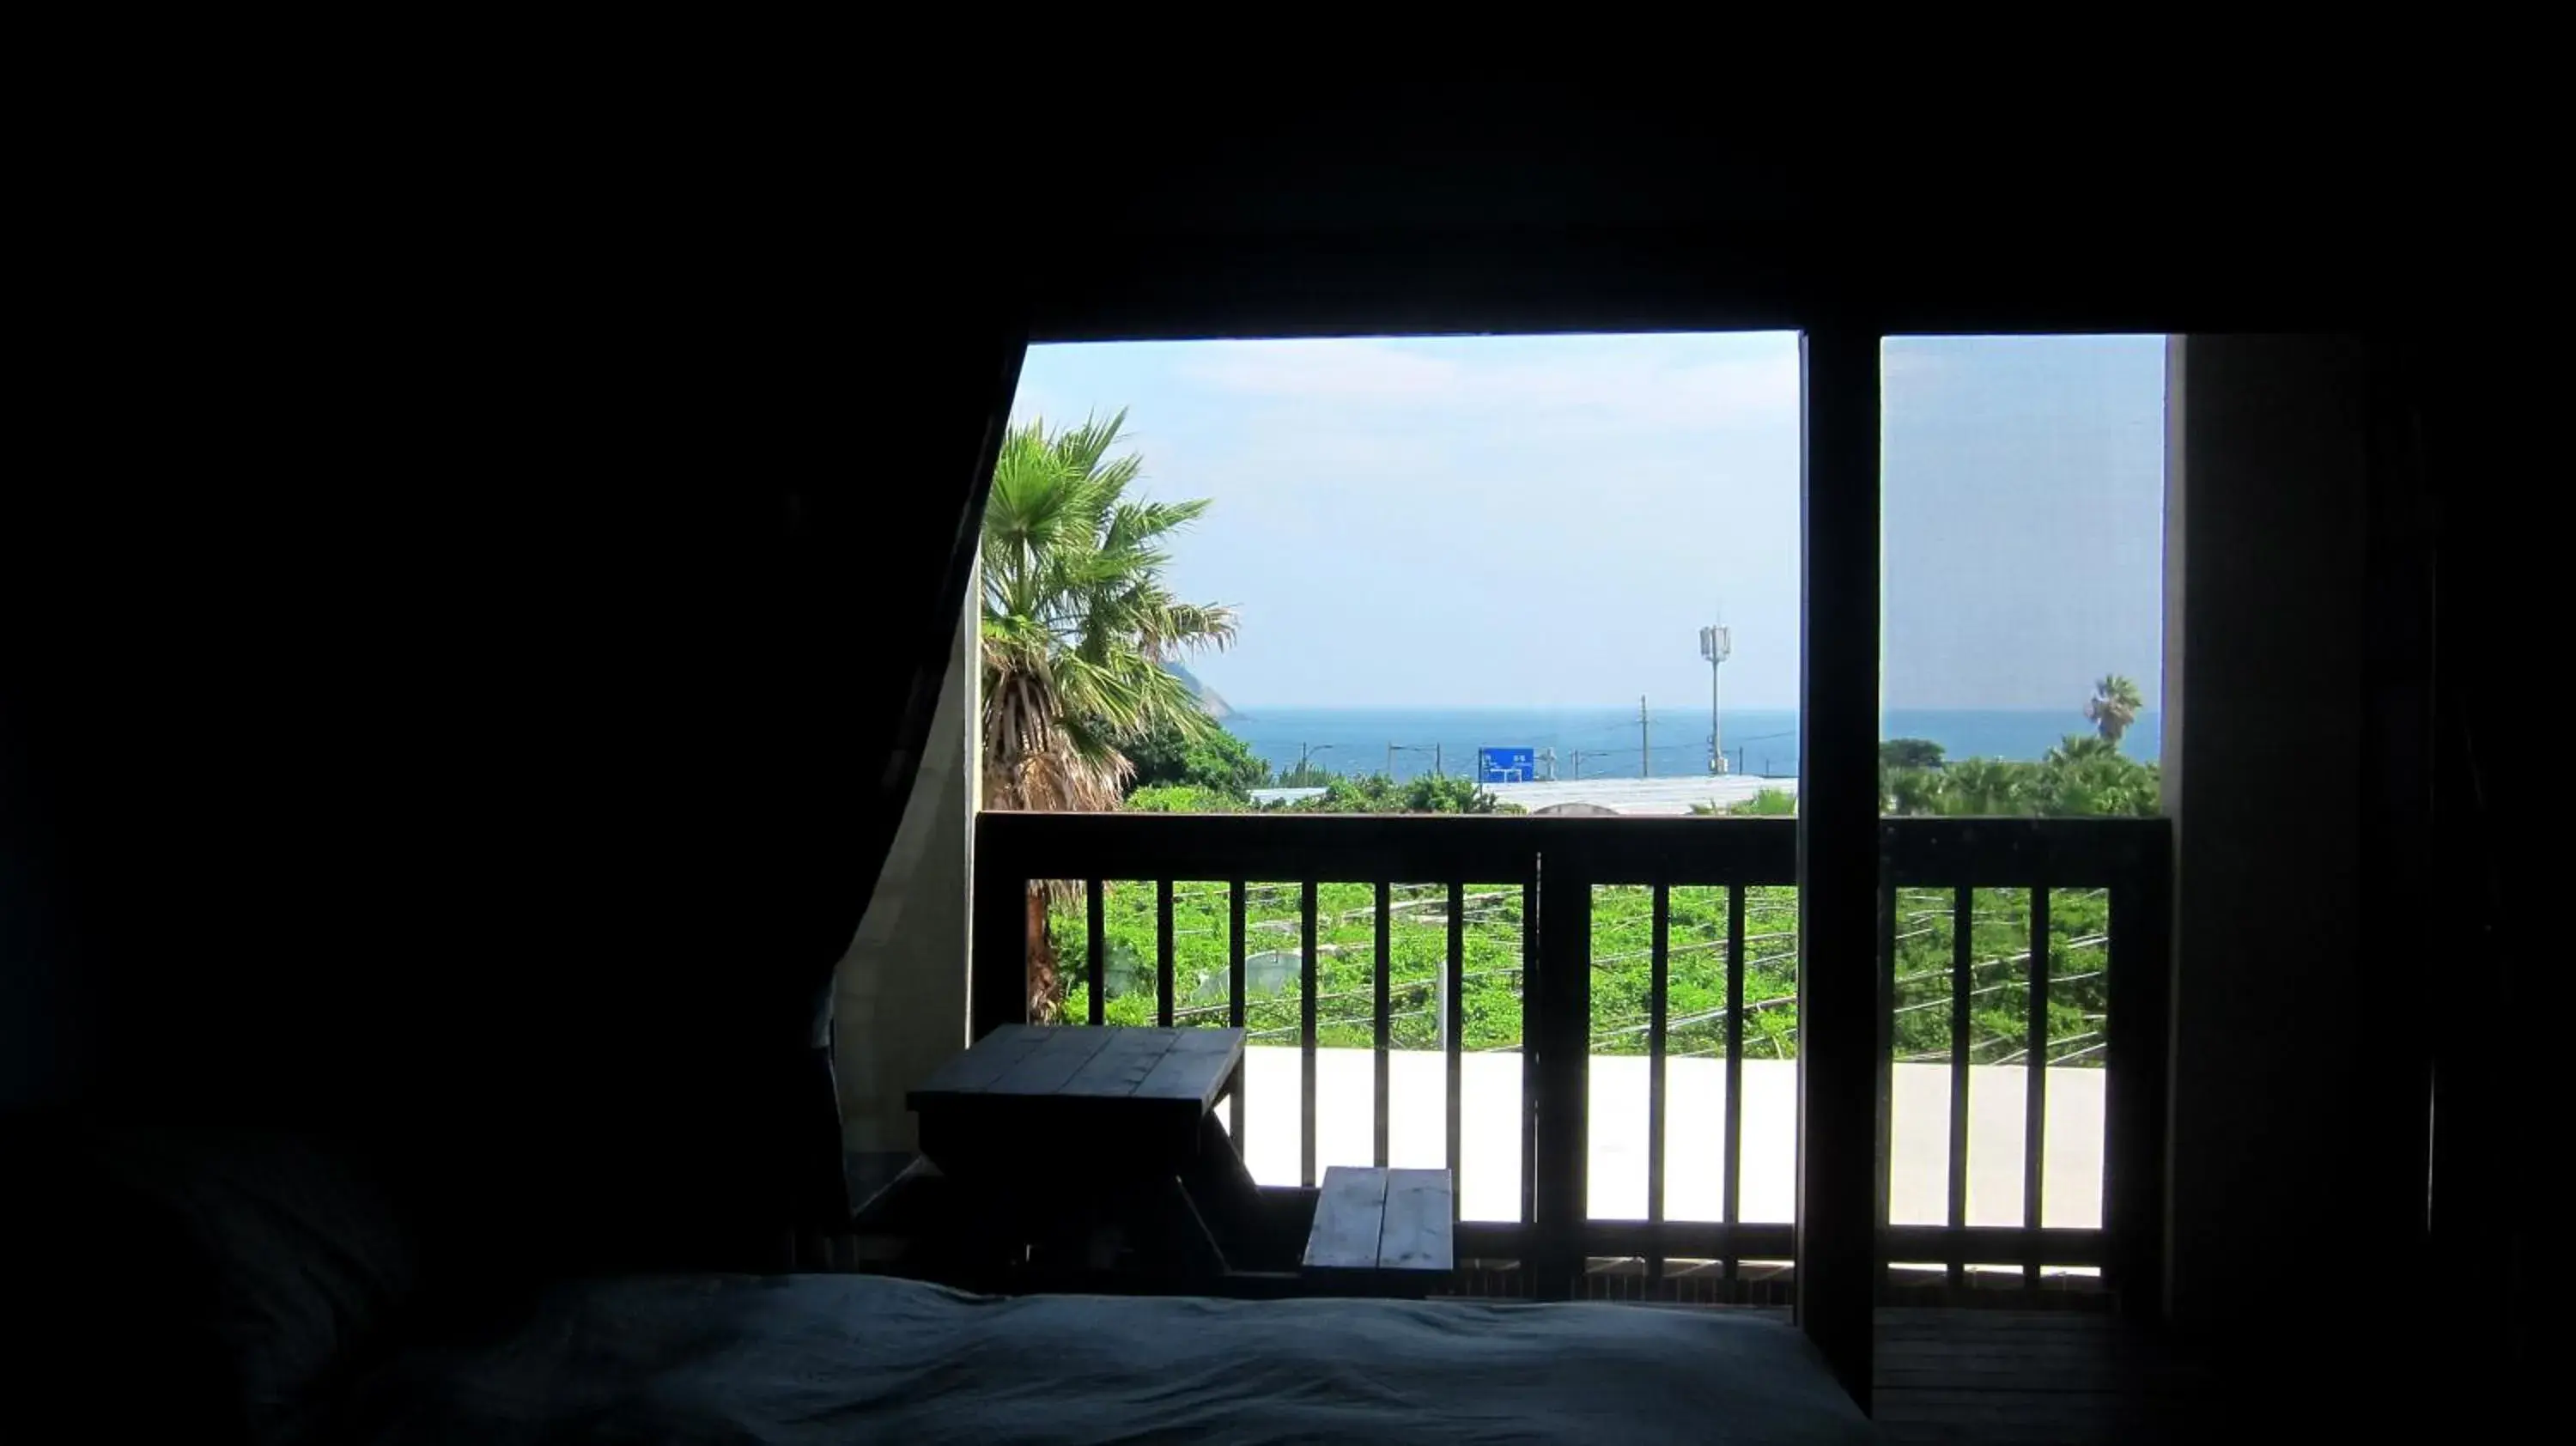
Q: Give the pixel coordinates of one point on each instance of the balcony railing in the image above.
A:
(2109, 877)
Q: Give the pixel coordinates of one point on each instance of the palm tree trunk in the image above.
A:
(1046, 994)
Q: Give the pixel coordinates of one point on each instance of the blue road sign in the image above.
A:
(1506, 765)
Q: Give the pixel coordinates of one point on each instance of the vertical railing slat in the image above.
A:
(1095, 964)
(1306, 1035)
(2141, 917)
(2035, 1075)
(1163, 953)
(1962, 981)
(1733, 1187)
(1529, 1044)
(1658, 1009)
(1234, 993)
(1383, 1003)
(1884, 1146)
(1453, 1021)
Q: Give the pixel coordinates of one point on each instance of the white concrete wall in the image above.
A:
(900, 997)
(1694, 1136)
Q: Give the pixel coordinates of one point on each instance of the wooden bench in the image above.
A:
(1381, 1232)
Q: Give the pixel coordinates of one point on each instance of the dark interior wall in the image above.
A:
(2355, 558)
(2484, 974)
(1603, 204)
(2268, 638)
(446, 694)
(45, 1023)
(477, 821)
(454, 853)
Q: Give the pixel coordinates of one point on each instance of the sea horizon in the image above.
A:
(1596, 741)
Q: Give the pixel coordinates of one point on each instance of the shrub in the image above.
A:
(1374, 793)
(2081, 777)
(1205, 756)
(1182, 798)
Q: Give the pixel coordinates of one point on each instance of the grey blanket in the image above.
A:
(815, 1359)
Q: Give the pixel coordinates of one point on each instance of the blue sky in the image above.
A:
(1547, 521)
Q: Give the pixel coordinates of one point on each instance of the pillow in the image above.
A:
(249, 1267)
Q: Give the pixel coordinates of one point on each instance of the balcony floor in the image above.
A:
(2009, 1376)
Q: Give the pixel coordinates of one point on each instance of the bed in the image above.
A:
(251, 1289)
(836, 1358)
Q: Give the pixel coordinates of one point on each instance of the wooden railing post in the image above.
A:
(2138, 1061)
(1557, 1058)
(997, 981)
(1838, 854)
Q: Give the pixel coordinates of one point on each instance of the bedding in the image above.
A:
(845, 1358)
(230, 1279)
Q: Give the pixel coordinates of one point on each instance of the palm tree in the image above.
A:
(1905, 790)
(2076, 748)
(1984, 786)
(1077, 629)
(2114, 707)
(2084, 776)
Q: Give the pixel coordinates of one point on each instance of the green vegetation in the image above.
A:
(1345, 950)
(1200, 755)
(1365, 793)
(1622, 958)
(1375, 793)
(1183, 798)
(2082, 775)
(1767, 803)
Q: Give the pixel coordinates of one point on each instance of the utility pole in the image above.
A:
(1305, 751)
(1645, 749)
(1578, 765)
(1714, 645)
(1435, 762)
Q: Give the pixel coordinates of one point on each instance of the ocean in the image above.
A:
(1592, 742)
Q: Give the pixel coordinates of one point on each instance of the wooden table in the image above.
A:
(1155, 1087)
(1101, 1144)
